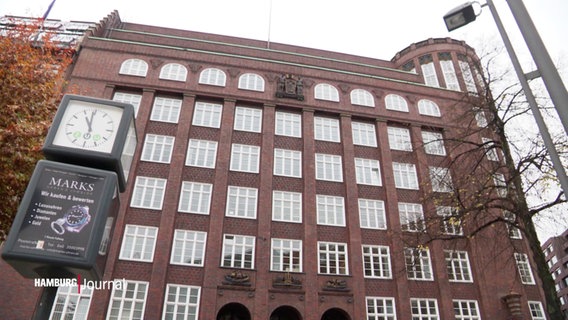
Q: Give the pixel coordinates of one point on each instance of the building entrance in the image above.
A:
(234, 311)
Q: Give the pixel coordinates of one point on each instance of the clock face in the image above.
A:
(88, 126)
(75, 216)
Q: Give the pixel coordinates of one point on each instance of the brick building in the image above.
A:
(556, 252)
(282, 182)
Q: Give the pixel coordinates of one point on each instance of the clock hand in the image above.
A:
(90, 121)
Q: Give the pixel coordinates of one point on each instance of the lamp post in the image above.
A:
(465, 14)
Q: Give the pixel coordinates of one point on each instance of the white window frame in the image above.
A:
(372, 214)
(286, 206)
(428, 108)
(248, 119)
(376, 262)
(325, 91)
(245, 158)
(327, 129)
(288, 124)
(241, 202)
(158, 148)
(69, 302)
(130, 98)
(174, 72)
(240, 250)
(490, 149)
(207, 114)
(500, 184)
(166, 110)
(466, 309)
(396, 102)
(368, 172)
(380, 308)
(287, 163)
(128, 295)
(364, 134)
(195, 197)
(329, 167)
(405, 176)
(524, 267)
(513, 230)
(330, 210)
(361, 97)
(433, 143)
(201, 153)
(188, 248)
(458, 266)
(480, 118)
(148, 193)
(286, 255)
(181, 304)
(429, 74)
(213, 77)
(422, 309)
(418, 264)
(537, 311)
(441, 179)
(450, 223)
(411, 217)
(134, 67)
(251, 81)
(450, 76)
(138, 243)
(399, 139)
(333, 258)
(468, 78)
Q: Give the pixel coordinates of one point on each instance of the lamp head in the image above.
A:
(460, 16)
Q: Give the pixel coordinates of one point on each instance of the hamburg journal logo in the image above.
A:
(118, 284)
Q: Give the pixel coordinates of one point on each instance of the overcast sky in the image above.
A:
(370, 28)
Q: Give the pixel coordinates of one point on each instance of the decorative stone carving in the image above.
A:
(237, 278)
(233, 72)
(156, 63)
(290, 86)
(335, 285)
(194, 67)
(287, 280)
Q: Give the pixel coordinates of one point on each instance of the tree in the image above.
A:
(481, 189)
(32, 74)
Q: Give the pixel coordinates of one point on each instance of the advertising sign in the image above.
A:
(64, 223)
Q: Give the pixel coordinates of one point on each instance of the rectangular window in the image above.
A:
(241, 202)
(368, 172)
(188, 248)
(201, 153)
(195, 197)
(207, 114)
(511, 221)
(288, 124)
(330, 210)
(364, 134)
(166, 110)
(429, 74)
(500, 184)
(379, 308)
(248, 119)
(127, 302)
(537, 311)
(490, 149)
(525, 271)
(468, 77)
(440, 179)
(288, 163)
(466, 310)
(405, 176)
(418, 266)
(148, 193)
(376, 262)
(332, 258)
(399, 139)
(138, 243)
(245, 158)
(450, 75)
(70, 304)
(433, 143)
(287, 206)
(328, 167)
(326, 129)
(411, 217)
(238, 251)
(424, 309)
(158, 148)
(450, 220)
(372, 214)
(181, 302)
(286, 255)
(130, 98)
(457, 265)
(480, 118)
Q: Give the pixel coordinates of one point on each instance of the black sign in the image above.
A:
(64, 220)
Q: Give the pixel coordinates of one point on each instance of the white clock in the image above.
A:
(95, 133)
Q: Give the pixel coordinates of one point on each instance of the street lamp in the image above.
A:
(464, 14)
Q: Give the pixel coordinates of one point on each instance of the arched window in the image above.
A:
(396, 102)
(134, 67)
(362, 98)
(324, 91)
(173, 71)
(213, 76)
(428, 108)
(251, 81)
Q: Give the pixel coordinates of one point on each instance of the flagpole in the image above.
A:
(48, 10)
(269, 24)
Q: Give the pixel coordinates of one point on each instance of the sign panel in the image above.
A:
(64, 222)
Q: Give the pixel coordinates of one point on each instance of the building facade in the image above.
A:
(285, 183)
(556, 252)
